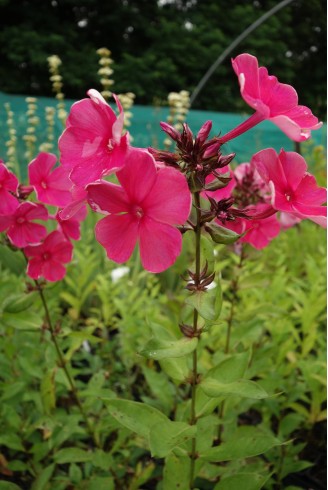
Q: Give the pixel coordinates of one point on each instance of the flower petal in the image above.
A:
(138, 175)
(107, 197)
(118, 234)
(160, 245)
(169, 201)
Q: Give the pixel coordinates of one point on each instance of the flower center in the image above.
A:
(111, 144)
(44, 185)
(137, 211)
(20, 220)
(288, 196)
(46, 256)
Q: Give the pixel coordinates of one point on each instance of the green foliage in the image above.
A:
(138, 404)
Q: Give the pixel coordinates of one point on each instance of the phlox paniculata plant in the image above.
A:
(159, 196)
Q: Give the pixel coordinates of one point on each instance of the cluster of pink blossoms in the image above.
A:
(150, 205)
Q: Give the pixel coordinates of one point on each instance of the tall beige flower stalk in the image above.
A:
(105, 71)
(33, 121)
(50, 113)
(56, 79)
(179, 103)
(11, 143)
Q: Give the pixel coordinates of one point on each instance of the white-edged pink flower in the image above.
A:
(92, 144)
(52, 186)
(294, 190)
(144, 209)
(272, 100)
(47, 259)
(21, 227)
(8, 187)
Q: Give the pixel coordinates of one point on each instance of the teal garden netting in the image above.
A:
(146, 131)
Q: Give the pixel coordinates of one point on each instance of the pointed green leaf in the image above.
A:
(246, 481)
(23, 320)
(7, 485)
(18, 302)
(43, 478)
(177, 368)
(72, 455)
(47, 389)
(243, 388)
(232, 368)
(164, 437)
(176, 472)
(166, 349)
(207, 303)
(135, 416)
(244, 444)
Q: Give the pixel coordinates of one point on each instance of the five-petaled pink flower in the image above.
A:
(51, 187)
(294, 190)
(272, 100)
(92, 144)
(143, 209)
(47, 259)
(20, 226)
(8, 186)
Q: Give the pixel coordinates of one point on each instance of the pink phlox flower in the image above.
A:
(272, 100)
(92, 144)
(71, 227)
(78, 200)
(8, 187)
(20, 226)
(51, 186)
(225, 192)
(256, 232)
(144, 209)
(294, 190)
(47, 259)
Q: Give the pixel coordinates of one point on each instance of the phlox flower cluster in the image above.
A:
(145, 195)
(35, 227)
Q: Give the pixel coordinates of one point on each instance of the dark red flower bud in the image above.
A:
(204, 131)
(171, 131)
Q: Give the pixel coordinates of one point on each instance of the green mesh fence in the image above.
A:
(146, 131)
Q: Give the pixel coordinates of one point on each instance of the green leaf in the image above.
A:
(101, 483)
(207, 303)
(165, 349)
(167, 435)
(246, 481)
(243, 444)
(43, 478)
(24, 320)
(177, 368)
(7, 485)
(135, 416)
(72, 455)
(18, 302)
(176, 472)
(243, 388)
(47, 389)
(232, 368)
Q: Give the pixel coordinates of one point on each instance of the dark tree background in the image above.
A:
(160, 46)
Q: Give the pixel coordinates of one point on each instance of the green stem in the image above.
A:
(193, 418)
(62, 364)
